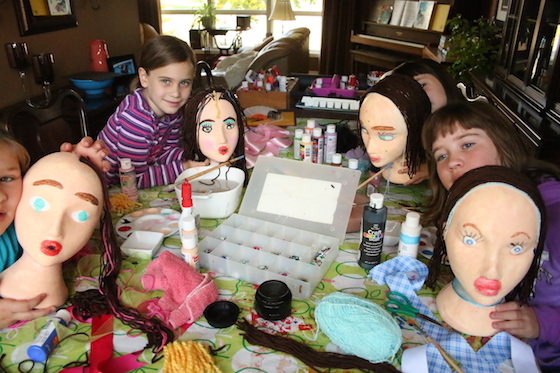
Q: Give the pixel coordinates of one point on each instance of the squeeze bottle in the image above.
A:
(410, 235)
(128, 179)
(187, 227)
(318, 145)
(297, 140)
(330, 142)
(47, 339)
(373, 230)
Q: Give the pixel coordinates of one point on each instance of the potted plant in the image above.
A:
(473, 48)
(207, 16)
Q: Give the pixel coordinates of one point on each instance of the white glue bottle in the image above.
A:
(306, 148)
(297, 140)
(47, 339)
(330, 142)
(128, 179)
(187, 227)
(410, 235)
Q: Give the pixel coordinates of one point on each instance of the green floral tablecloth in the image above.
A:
(236, 355)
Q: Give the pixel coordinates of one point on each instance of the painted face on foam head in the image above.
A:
(167, 88)
(10, 186)
(490, 237)
(61, 203)
(384, 129)
(217, 130)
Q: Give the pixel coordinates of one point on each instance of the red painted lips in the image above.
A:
(487, 287)
(51, 248)
(223, 150)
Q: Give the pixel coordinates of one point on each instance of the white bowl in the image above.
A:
(213, 205)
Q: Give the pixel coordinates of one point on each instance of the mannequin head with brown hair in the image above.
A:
(391, 116)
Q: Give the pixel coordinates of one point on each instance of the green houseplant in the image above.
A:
(207, 16)
(473, 47)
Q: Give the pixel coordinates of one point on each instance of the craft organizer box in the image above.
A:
(268, 240)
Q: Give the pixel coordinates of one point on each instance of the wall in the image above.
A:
(116, 22)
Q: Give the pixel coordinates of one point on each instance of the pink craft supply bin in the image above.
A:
(326, 90)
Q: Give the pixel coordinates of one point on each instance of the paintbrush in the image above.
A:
(388, 165)
(226, 163)
(448, 358)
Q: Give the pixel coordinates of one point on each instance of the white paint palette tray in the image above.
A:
(291, 221)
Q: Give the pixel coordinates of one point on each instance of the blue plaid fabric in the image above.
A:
(406, 275)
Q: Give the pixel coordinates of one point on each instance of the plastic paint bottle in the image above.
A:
(337, 159)
(128, 179)
(330, 142)
(311, 123)
(318, 145)
(306, 148)
(353, 164)
(410, 235)
(47, 339)
(373, 231)
(297, 140)
(187, 227)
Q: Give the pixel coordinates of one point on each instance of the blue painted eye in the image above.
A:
(469, 241)
(80, 216)
(206, 127)
(386, 136)
(230, 123)
(39, 204)
(516, 249)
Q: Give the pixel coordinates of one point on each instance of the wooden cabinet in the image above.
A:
(379, 45)
(527, 75)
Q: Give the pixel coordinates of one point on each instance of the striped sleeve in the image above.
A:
(152, 144)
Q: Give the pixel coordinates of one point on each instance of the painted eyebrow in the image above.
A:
(383, 128)
(49, 182)
(207, 120)
(472, 225)
(88, 198)
(230, 118)
(520, 234)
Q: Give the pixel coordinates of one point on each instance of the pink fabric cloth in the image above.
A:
(186, 292)
(266, 140)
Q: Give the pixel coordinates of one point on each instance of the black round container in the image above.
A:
(273, 300)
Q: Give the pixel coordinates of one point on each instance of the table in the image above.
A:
(237, 355)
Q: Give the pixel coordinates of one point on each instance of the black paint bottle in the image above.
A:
(373, 230)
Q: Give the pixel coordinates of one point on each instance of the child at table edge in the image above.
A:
(462, 136)
(146, 125)
(13, 165)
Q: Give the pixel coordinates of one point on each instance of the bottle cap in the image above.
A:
(412, 219)
(331, 128)
(298, 133)
(353, 163)
(317, 132)
(126, 163)
(376, 200)
(311, 123)
(337, 158)
(186, 194)
(187, 223)
(64, 315)
(306, 138)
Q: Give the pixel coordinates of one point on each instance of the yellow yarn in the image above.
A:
(188, 356)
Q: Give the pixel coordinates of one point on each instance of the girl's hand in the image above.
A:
(520, 321)
(12, 310)
(190, 164)
(95, 151)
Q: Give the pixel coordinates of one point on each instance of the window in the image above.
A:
(179, 16)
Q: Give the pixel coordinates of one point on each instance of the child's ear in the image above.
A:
(143, 77)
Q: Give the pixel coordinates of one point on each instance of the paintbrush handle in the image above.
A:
(452, 363)
(370, 178)
(226, 163)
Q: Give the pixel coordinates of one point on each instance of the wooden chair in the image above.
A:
(41, 130)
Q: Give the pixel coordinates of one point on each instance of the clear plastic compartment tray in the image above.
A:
(257, 251)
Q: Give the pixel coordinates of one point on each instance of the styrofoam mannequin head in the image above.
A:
(218, 130)
(490, 238)
(60, 206)
(384, 131)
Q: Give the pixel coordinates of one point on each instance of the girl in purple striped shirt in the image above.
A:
(147, 124)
